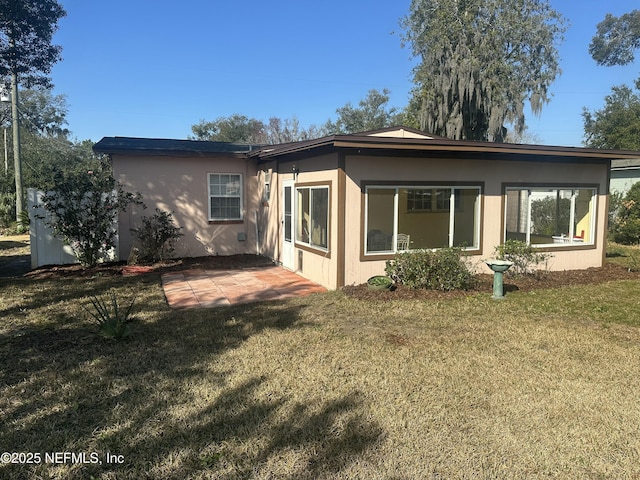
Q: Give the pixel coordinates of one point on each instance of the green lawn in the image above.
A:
(542, 385)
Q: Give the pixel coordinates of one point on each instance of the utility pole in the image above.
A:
(6, 155)
(4, 98)
(15, 122)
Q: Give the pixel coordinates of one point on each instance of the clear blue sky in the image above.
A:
(144, 68)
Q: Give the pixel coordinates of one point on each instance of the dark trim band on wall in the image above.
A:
(367, 257)
(324, 252)
(562, 247)
(315, 250)
(226, 222)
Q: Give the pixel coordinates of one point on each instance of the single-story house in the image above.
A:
(336, 208)
(624, 173)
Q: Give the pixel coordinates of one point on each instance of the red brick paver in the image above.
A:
(199, 288)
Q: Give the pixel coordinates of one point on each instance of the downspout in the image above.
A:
(256, 211)
(607, 199)
(341, 218)
(246, 195)
(257, 235)
(279, 216)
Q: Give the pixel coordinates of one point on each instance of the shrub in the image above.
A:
(615, 202)
(626, 228)
(156, 237)
(442, 269)
(113, 320)
(7, 209)
(633, 264)
(84, 209)
(524, 257)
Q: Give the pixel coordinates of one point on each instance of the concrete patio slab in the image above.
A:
(198, 288)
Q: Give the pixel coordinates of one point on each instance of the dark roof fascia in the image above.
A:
(160, 146)
(274, 151)
(445, 145)
(304, 145)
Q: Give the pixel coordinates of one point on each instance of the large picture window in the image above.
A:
(312, 216)
(550, 216)
(225, 196)
(401, 218)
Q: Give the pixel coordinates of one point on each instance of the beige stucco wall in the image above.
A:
(494, 174)
(268, 211)
(314, 264)
(180, 184)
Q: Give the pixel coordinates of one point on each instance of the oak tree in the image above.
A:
(617, 124)
(242, 129)
(372, 113)
(480, 61)
(235, 128)
(616, 39)
(26, 33)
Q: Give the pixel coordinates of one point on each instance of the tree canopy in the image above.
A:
(616, 39)
(626, 222)
(373, 113)
(480, 60)
(235, 128)
(46, 147)
(242, 129)
(43, 113)
(617, 125)
(26, 32)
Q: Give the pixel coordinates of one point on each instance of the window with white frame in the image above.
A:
(267, 186)
(312, 216)
(225, 196)
(550, 217)
(399, 218)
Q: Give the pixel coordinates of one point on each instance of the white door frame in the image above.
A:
(288, 225)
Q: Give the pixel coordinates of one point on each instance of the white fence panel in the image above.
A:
(46, 247)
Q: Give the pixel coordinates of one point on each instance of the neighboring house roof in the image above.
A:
(625, 164)
(400, 132)
(397, 139)
(163, 146)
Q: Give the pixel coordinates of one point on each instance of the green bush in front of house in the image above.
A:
(626, 228)
(83, 210)
(525, 258)
(443, 269)
(156, 236)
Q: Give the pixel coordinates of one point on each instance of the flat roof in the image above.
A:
(168, 146)
(377, 142)
(390, 140)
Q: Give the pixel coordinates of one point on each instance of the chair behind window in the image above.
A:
(403, 241)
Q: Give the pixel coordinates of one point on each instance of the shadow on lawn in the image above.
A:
(62, 389)
(42, 293)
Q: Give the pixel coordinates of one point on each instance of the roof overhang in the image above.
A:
(398, 141)
(162, 146)
(368, 144)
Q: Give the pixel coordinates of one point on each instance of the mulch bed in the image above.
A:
(222, 262)
(484, 284)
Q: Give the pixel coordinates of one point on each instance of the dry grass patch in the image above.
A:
(541, 385)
